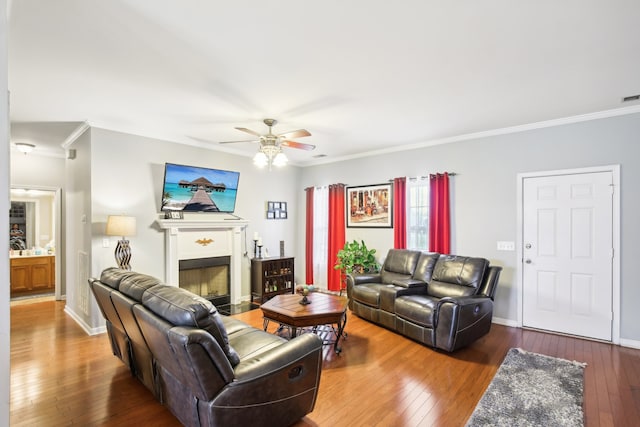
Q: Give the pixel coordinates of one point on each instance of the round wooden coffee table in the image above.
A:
(324, 309)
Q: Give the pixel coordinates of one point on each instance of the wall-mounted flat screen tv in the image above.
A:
(198, 189)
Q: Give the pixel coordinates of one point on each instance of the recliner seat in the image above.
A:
(208, 369)
(443, 301)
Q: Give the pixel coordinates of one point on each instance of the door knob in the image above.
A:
(528, 261)
(528, 246)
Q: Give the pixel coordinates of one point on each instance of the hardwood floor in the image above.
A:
(62, 377)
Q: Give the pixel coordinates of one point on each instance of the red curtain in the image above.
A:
(400, 213)
(336, 238)
(308, 258)
(439, 216)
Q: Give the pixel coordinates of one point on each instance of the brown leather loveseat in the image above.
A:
(443, 301)
(208, 369)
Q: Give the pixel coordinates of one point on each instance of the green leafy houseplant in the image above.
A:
(355, 257)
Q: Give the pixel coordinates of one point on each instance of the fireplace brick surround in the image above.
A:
(190, 239)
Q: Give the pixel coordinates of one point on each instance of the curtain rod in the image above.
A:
(413, 178)
(326, 186)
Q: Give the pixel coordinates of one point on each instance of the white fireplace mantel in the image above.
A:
(204, 238)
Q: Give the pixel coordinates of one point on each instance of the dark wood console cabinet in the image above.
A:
(271, 276)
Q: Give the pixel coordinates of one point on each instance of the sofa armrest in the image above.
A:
(354, 279)
(279, 386)
(416, 289)
(304, 351)
(360, 278)
(408, 283)
(461, 320)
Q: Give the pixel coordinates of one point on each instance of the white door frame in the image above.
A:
(57, 202)
(615, 279)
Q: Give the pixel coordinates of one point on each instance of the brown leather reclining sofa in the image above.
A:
(443, 301)
(208, 369)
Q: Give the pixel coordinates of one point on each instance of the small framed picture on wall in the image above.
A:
(276, 210)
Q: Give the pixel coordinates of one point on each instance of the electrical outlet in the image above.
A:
(506, 246)
(105, 242)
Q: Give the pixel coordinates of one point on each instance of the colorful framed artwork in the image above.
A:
(369, 206)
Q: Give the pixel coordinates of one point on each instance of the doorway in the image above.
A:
(38, 262)
(568, 244)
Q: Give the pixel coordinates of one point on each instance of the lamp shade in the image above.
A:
(121, 225)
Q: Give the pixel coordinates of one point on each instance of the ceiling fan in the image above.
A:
(281, 139)
(271, 144)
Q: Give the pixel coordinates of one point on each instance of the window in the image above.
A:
(418, 213)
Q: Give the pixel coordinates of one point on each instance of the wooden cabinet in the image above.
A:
(271, 276)
(32, 275)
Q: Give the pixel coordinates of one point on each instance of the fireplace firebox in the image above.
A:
(208, 277)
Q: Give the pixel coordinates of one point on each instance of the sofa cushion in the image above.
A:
(113, 276)
(233, 325)
(418, 309)
(401, 261)
(183, 308)
(457, 276)
(368, 294)
(252, 342)
(136, 284)
(424, 266)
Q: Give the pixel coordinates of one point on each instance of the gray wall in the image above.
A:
(127, 173)
(116, 173)
(124, 174)
(484, 192)
(32, 170)
(77, 224)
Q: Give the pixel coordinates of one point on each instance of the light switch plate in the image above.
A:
(105, 242)
(506, 246)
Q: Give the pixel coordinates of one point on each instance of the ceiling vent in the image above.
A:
(631, 98)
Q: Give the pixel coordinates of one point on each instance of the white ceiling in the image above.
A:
(360, 75)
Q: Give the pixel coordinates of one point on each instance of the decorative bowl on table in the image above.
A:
(305, 290)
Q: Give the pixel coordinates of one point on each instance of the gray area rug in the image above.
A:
(531, 389)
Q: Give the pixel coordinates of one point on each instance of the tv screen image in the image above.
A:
(198, 189)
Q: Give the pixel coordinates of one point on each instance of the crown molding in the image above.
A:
(484, 134)
(77, 133)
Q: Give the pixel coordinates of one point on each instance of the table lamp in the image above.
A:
(121, 225)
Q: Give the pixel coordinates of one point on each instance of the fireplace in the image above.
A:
(202, 238)
(208, 277)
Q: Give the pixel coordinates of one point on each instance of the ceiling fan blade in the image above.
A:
(233, 142)
(252, 132)
(295, 134)
(301, 146)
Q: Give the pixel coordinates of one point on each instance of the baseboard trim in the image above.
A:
(630, 343)
(623, 342)
(88, 329)
(505, 322)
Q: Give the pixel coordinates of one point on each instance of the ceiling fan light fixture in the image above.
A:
(280, 160)
(260, 159)
(270, 151)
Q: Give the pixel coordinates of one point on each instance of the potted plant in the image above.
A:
(355, 257)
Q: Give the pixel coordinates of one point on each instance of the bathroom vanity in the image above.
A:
(32, 274)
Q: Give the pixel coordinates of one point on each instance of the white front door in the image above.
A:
(568, 254)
